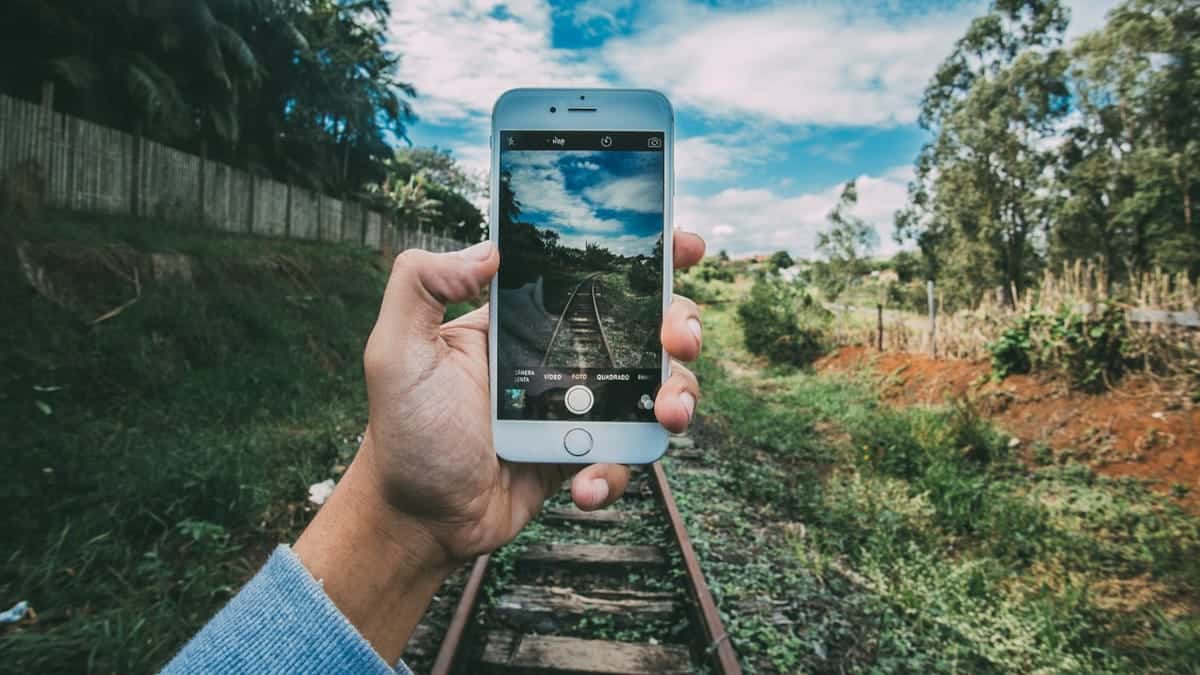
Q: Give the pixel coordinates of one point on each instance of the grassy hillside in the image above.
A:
(841, 534)
(152, 459)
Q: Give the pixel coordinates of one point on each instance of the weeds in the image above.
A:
(1087, 350)
(180, 436)
(911, 540)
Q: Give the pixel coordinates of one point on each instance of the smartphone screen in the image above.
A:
(581, 261)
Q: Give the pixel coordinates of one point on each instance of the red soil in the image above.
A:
(1132, 430)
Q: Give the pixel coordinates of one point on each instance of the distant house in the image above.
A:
(885, 277)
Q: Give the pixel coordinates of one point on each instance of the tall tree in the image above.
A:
(846, 244)
(303, 90)
(982, 195)
(449, 183)
(1130, 162)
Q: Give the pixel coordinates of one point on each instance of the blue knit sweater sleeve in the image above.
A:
(280, 622)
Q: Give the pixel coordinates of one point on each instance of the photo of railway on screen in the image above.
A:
(581, 250)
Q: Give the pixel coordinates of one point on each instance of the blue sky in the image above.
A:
(777, 103)
(610, 198)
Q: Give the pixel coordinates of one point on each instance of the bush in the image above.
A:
(910, 296)
(710, 270)
(1088, 350)
(644, 275)
(703, 292)
(782, 322)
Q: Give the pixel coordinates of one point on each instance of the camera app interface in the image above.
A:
(580, 297)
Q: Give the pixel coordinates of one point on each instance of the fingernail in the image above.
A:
(689, 403)
(599, 490)
(694, 326)
(480, 251)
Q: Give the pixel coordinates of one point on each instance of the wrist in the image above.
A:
(379, 566)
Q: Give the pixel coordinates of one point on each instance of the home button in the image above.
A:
(578, 442)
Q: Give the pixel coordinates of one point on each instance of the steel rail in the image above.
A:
(600, 325)
(448, 652)
(563, 317)
(717, 646)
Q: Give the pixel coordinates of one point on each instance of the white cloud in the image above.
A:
(595, 15)
(832, 65)
(462, 54)
(750, 221)
(540, 186)
(702, 158)
(835, 64)
(640, 193)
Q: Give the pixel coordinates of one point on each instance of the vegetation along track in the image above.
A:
(557, 601)
(578, 340)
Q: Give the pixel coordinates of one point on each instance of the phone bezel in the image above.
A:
(614, 110)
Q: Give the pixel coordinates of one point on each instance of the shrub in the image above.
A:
(782, 322)
(709, 270)
(644, 275)
(1088, 350)
(910, 296)
(703, 292)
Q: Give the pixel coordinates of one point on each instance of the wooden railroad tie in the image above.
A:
(532, 606)
(572, 515)
(593, 555)
(504, 650)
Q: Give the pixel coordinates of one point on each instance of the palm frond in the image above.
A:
(77, 71)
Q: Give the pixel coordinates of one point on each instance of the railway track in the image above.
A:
(578, 340)
(617, 591)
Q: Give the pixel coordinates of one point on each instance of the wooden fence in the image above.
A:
(94, 169)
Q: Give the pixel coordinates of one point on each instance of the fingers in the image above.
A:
(599, 485)
(676, 401)
(681, 330)
(476, 319)
(422, 283)
(688, 249)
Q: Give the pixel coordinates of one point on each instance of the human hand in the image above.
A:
(427, 490)
(429, 440)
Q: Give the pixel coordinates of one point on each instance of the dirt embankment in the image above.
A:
(1132, 430)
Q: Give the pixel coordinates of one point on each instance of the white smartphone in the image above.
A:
(581, 192)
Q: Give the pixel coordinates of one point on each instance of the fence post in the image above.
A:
(879, 315)
(203, 183)
(135, 186)
(287, 218)
(932, 319)
(46, 133)
(320, 217)
(252, 212)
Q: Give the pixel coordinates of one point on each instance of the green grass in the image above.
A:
(154, 459)
(846, 535)
(631, 321)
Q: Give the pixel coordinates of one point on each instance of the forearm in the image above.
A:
(376, 565)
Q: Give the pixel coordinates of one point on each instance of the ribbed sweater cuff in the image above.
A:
(282, 621)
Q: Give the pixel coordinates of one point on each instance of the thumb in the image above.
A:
(421, 284)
